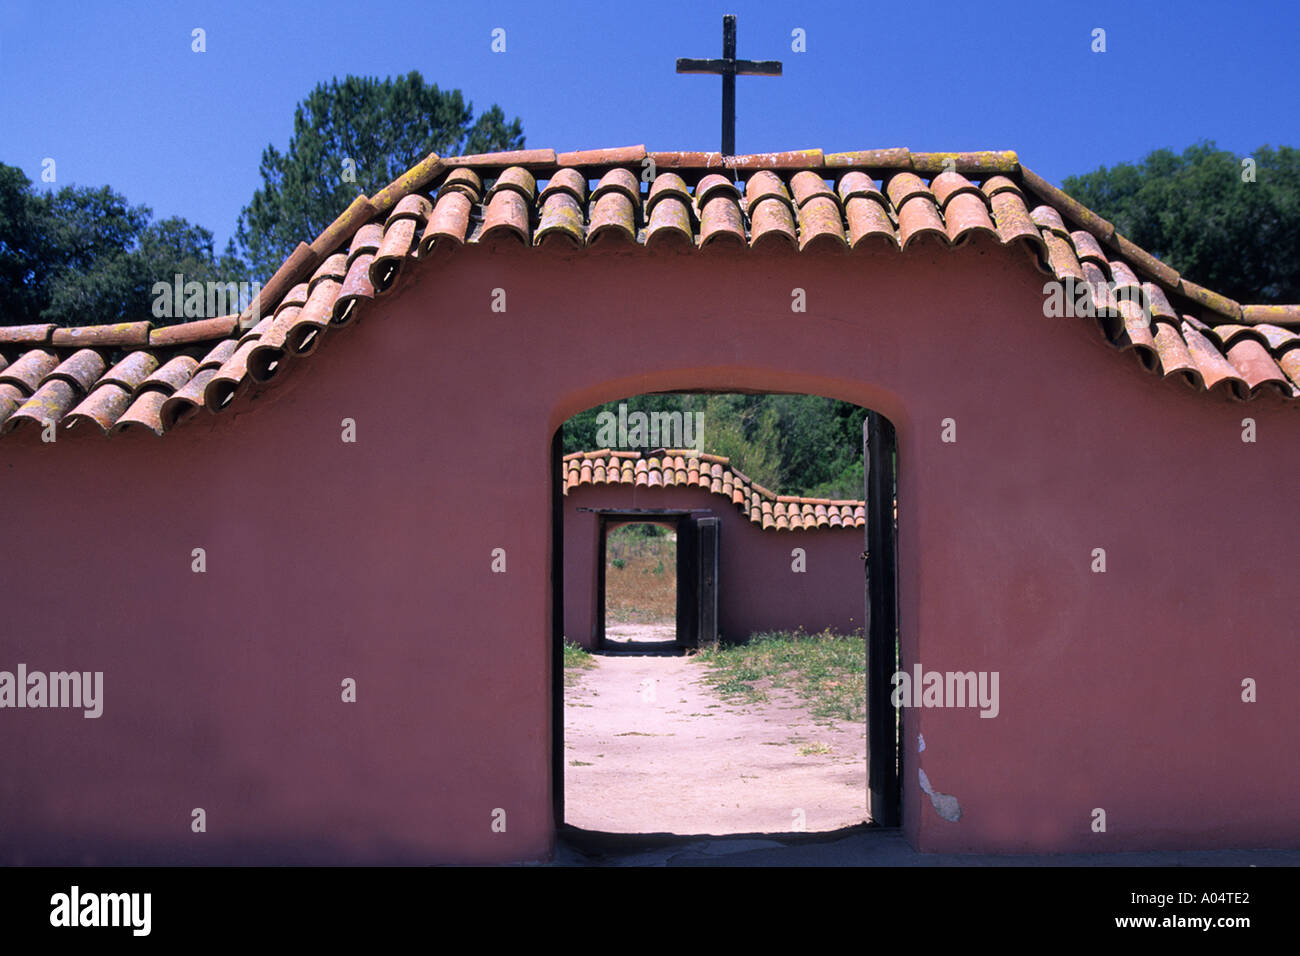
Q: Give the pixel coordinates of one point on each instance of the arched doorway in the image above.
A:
(877, 584)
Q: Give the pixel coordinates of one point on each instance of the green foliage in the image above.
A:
(826, 669)
(576, 660)
(791, 444)
(637, 531)
(84, 256)
(637, 541)
(1195, 212)
(356, 136)
(22, 249)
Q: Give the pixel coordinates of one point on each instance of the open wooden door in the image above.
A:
(707, 533)
(697, 581)
(688, 621)
(884, 760)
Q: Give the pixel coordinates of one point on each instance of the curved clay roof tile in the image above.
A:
(1244, 350)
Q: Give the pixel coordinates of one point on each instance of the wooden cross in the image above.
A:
(729, 67)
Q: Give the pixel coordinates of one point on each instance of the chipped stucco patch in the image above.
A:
(945, 804)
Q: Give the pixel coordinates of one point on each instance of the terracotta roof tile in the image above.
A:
(918, 217)
(712, 185)
(565, 180)
(1211, 300)
(1267, 314)
(102, 407)
(1278, 339)
(1257, 368)
(1135, 333)
(902, 187)
(561, 221)
(25, 334)
(1086, 247)
(1014, 225)
(615, 206)
(530, 158)
(663, 468)
(1215, 370)
(417, 177)
(966, 216)
(221, 388)
(464, 181)
(131, 371)
(367, 241)
(622, 155)
(771, 213)
(1158, 302)
(721, 222)
(58, 391)
(146, 408)
(1078, 213)
(688, 160)
(356, 287)
(1061, 257)
(295, 269)
(302, 334)
(1290, 363)
(508, 207)
(123, 333)
(668, 208)
(1188, 332)
(796, 159)
(172, 375)
(144, 412)
(807, 185)
(188, 333)
(1104, 305)
(866, 210)
(82, 369)
(29, 371)
(407, 217)
(1148, 263)
(11, 399)
(897, 158)
(1048, 218)
(450, 222)
(47, 405)
(341, 230)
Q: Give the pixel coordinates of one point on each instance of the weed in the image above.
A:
(828, 670)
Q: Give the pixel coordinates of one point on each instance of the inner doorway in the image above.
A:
(640, 587)
(658, 583)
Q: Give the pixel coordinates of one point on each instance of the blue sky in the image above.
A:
(113, 92)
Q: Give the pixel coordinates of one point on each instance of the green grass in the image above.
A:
(576, 660)
(827, 670)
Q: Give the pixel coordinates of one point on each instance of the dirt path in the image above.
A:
(651, 749)
(641, 633)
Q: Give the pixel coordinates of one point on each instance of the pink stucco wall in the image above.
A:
(758, 588)
(372, 560)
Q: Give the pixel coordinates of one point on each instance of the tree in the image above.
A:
(791, 444)
(21, 250)
(353, 137)
(1227, 224)
(85, 256)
